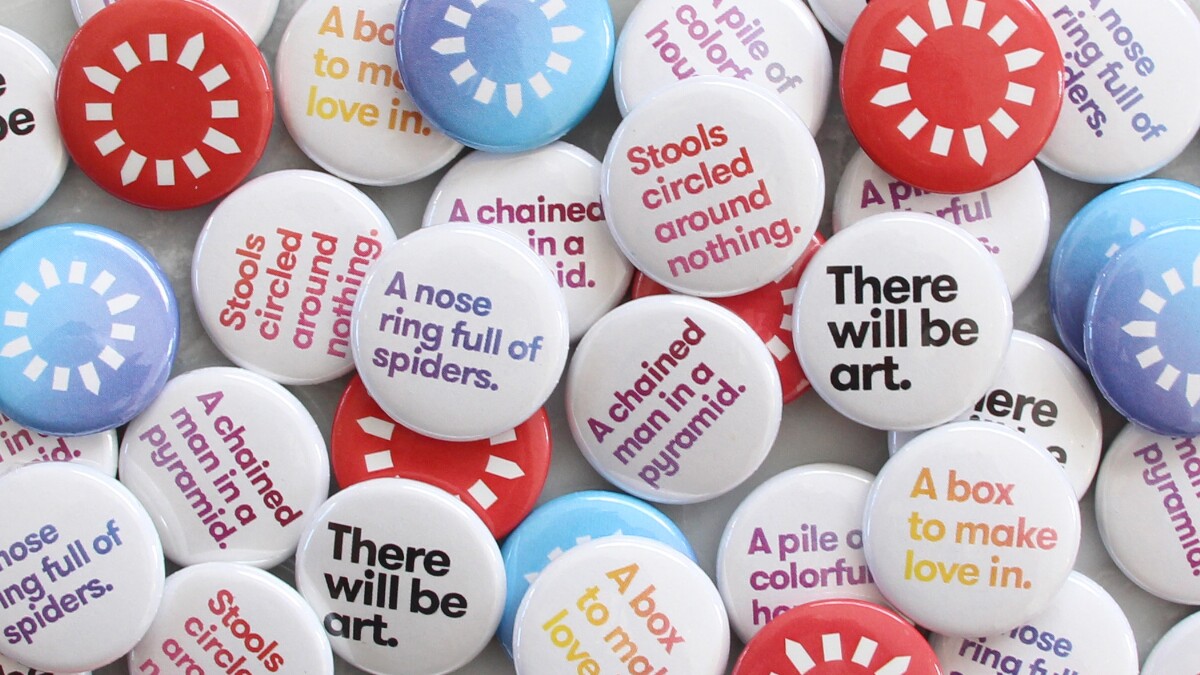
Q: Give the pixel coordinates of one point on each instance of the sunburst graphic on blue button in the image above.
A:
(512, 90)
(1171, 373)
(37, 364)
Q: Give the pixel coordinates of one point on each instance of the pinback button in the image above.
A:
(971, 529)
(1041, 393)
(500, 478)
(776, 44)
(1103, 227)
(25, 446)
(277, 268)
(33, 159)
(1140, 332)
(1142, 496)
(1125, 64)
(795, 539)
(951, 95)
(902, 321)
(685, 413)
(434, 568)
(86, 561)
(768, 310)
(1082, 631)
(713, 187)
(342, 100)
(626, 602)
(253, 16)
(1011, 219)
(10, 667)
(568, 521)
(164, 105)
(837, 16)
(233, 617)
(460, 332)
(230, 465)
(827, 636)
(479, 85)
(1176, 651)
(90, 329)
(550, 199)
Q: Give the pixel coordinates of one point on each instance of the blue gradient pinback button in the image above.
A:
(505, 75)
(1098, 232)
(563, 523)
(90, 327)
(1140, 333)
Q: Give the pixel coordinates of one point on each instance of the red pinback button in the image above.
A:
(838, 637)
(500, 477)
(952, 95)
(166, 105)
(768, 310)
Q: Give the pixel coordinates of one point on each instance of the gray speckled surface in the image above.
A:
(811, 432)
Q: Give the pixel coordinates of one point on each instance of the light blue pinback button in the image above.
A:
(1142, 331)
(505, 75)
(1108, 223)
(90, 327)
(561, 524)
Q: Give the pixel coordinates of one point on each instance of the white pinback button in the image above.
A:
(776, 44)
(1011, 219)
(82, 573)
(902, 321)
(460, 332)
(33, 159)
(685, 413)
(277, 268)
(797, 538)
(342, 100)
(1041, 393)
(621, 603)
(1082, 631)
(1099, 231)
(713, 187)
(837, 16)
(406, 579)
(971, 529)
(22, 446)
(1144, 500)
(254, 16)
(550, 199)
(1176, 651)
(232, 618)
(230, 465)
(1126, 62)
(568, 521)
(10, 667)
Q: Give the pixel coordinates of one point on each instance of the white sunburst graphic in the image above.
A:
(1169, 375)
(1135, 228)
(130, 60)
(511, 92)
(831, 652)
(999, 31)
(61, 376)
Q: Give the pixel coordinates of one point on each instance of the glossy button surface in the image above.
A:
(90, 331)
(254, 16)
(505, 75)
(24, 446)
(951, 95)
(164, 105)
(500, 477)
(1140, 333)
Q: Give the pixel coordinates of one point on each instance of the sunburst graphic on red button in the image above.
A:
(998, 31)
(210, 80)
(831, 660)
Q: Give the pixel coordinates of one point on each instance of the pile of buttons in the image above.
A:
(599, 336)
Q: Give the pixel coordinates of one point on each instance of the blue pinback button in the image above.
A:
(1106, 225)
(565, 522)
(90, 327)
(1140, 331)
(505, 75)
